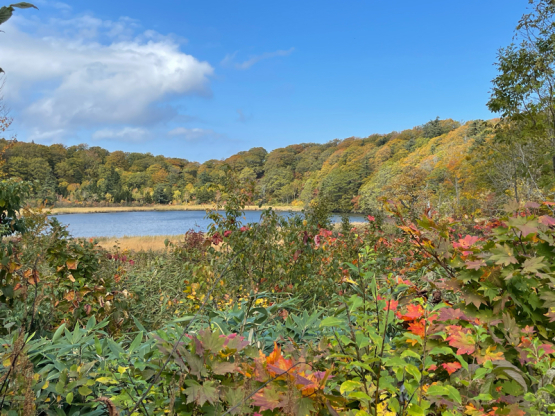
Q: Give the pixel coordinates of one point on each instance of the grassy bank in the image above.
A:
(157, 242)
(137, 243)
(95, 210)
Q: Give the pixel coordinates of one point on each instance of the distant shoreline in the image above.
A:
(105, 210)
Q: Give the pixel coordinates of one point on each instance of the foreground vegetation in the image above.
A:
(441, 304)
(285, 316)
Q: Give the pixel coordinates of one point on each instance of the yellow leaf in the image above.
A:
(122, 370)
(45, 385)
(106, 380)
(70, 277)
(36, 377)
(7, 362)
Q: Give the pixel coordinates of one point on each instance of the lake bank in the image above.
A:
(105, 210)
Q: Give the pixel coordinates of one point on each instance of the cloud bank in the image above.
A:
(84, 73)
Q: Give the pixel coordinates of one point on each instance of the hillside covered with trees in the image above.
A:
(442, 163)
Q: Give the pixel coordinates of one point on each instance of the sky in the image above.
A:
(205, 79)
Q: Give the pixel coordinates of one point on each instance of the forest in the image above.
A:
(441, 163)
(441, 303)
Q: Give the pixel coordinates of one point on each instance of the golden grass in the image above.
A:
(157, 242)
(91, 210)
(137, 243)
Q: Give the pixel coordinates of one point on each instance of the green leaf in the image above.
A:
(305, 407)
(69, 397)
(201, 394)
(454, 394)
(331, 321)
(91, 323)
(24, 5)
(436, 390)
(410, 353)
(5, 14)
(84, 391)
(136, 342)
(415, 410)
(97, 345)
(58, 333)
(349, 385)
(415, 372)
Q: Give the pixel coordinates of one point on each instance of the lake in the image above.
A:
(119, 224)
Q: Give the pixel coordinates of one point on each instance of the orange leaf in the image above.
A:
(417, 328)
(413, 312)
(490, 355)
(461, 338)
(451, 367)
(72, 264)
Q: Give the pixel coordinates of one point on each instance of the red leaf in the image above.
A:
(547, 220)
(451, 367)
(391, 305)
(548, 348)
(413, 312)
(461, 338)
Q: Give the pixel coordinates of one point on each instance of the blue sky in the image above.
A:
(205, 79)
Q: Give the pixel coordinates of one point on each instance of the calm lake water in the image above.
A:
(119, 224)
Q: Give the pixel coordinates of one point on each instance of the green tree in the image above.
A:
(523, 90)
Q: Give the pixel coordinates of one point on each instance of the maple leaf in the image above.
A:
(466, 242)
(451, 367)
(417, 328)
(446, 314)
(533, 265)
(503, 254)
(475, 264)
(461, 338)
(528, 228)
(222, 368)
(490, 355)
(267, 399)
(413, 312)
(391, 305)
(551, 315)
(235, 342)
(547, 220)
(211, 341)
(201, 393)
(548, 348)
(528, 330)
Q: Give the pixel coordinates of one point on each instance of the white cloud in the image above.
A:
(229, 60)
(86, 73)
(127, 134)
(194, 134)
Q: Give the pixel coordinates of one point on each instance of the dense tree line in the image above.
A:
(441, 164)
